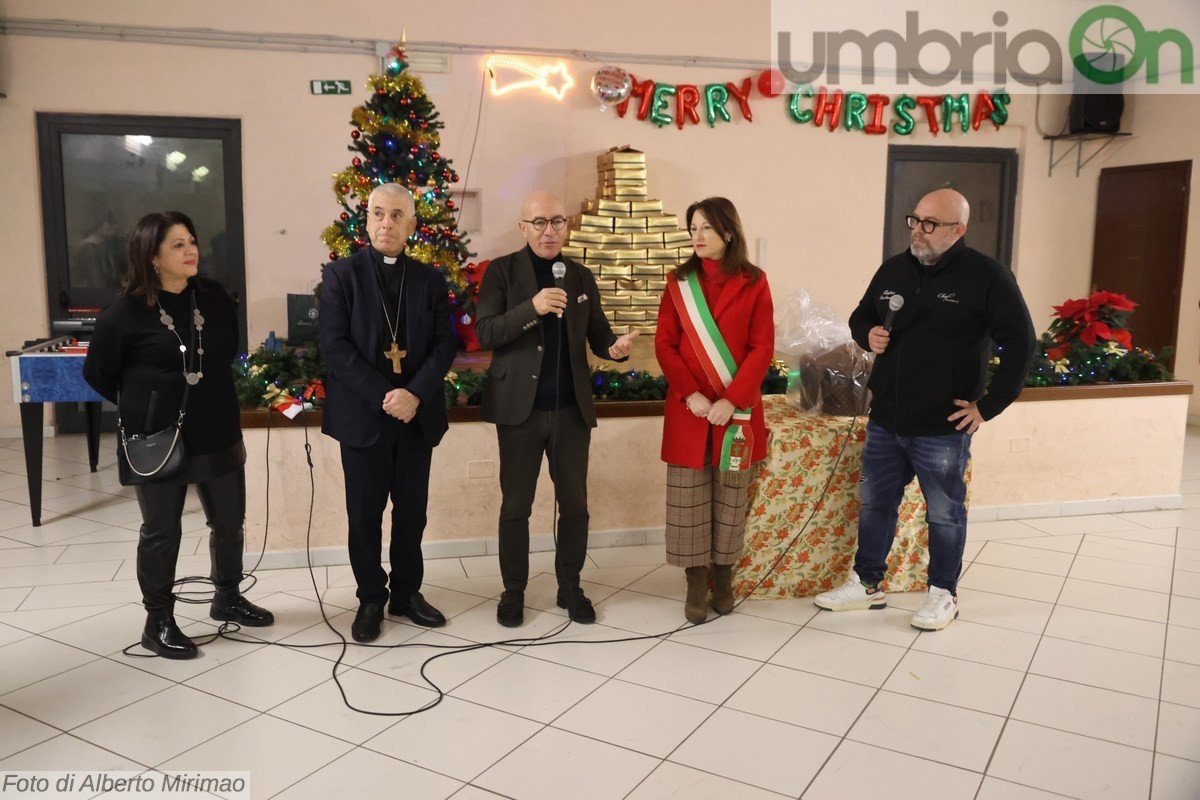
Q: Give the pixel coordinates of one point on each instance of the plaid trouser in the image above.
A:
(706, 520)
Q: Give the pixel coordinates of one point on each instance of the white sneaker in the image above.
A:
(851, 596)
(940, 609)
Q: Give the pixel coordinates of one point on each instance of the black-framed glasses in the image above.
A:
(539, 223)
(927, 225)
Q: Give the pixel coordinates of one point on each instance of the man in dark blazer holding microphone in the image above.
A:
(388, 342)
(536, 310)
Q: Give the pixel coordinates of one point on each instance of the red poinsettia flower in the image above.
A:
(1096, 329)
(1071, 309)
(1119, 302)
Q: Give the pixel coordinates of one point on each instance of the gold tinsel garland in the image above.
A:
(336, 241)
(370, 123)
(442, 258)
(355, 182)
(395, 84)
(429, 209)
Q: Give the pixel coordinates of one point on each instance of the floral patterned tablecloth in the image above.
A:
(806, 452)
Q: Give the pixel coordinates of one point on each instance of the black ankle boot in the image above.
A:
(236, 608)
(163, 637)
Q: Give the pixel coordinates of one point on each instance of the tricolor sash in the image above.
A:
(717, 362)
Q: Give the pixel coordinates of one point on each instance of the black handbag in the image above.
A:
(152, 457)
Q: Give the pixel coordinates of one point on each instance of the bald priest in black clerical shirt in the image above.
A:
(388, 342)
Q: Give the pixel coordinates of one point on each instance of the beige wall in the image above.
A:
(815, 197)
(1036, 459)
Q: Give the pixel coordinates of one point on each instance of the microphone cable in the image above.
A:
(227, 629)
(546, 639)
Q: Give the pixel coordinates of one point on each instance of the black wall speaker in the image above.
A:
(1096, 113)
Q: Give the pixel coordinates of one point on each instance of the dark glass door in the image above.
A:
(100, 174)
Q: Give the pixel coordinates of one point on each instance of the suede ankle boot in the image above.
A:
(694, 608)
(722, 601)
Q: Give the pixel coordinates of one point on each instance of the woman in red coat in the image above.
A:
(715, 342)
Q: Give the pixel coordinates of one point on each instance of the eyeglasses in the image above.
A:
(927, 225)
(539, 223)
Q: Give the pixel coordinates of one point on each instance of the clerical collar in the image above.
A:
(382, 260)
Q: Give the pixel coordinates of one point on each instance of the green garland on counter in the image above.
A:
(271, 375)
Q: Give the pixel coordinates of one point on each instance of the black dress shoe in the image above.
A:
(416, 609)
(236, 608)
(163, 638)
(511, 610)
(578, 607)
(365, 627)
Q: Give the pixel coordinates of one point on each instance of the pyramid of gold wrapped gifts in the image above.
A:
(627, 242)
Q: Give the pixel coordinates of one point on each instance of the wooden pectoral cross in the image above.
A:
(395, 354)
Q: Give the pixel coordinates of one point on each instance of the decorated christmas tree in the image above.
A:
(395, 139)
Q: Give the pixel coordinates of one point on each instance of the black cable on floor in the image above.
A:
(226, 630)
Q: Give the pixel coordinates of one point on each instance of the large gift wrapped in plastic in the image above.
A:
(827, 371)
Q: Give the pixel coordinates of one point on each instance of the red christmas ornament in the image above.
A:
(344, 216)
(414, 150)
(371, 150)
(449, 204)
(357, 162)
(354, 134)
(332, 256)
(453, 178)
(434, 155)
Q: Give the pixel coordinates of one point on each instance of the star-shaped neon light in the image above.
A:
(553, 79)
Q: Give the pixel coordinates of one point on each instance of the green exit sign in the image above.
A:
(330, 87)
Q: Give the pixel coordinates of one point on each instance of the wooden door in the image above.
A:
(1141, 228)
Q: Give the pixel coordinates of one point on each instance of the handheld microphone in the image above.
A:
(559, 271)
(895, 303)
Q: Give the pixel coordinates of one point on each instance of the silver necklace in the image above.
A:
(196, 337)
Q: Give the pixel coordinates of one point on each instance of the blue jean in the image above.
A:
(889, 464)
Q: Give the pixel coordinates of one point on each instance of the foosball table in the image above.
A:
(50, 371)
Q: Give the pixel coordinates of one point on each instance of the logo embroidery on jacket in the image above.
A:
(947, 297)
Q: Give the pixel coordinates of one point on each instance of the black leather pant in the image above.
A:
(223, 500)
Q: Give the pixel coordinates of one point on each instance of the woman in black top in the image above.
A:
(168, 329)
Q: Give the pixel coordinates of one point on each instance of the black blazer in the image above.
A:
(351, 330)
(508, 325)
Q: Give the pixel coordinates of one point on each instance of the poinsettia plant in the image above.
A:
(1088, 342)
(1104, 315)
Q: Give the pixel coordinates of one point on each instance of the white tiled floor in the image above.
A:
(1074, 671)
